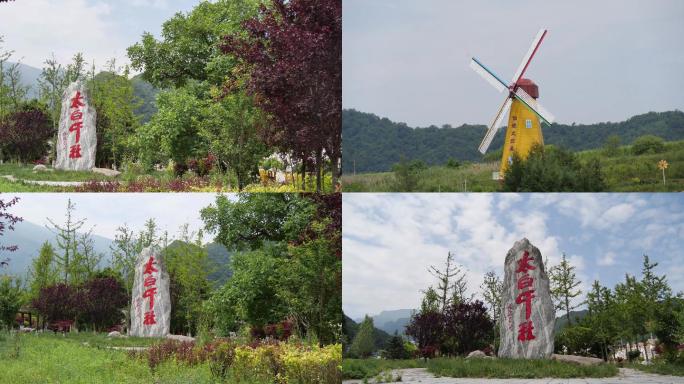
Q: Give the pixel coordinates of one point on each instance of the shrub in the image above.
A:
(453, 163)
(396, 349)
(56, 302)
(648, 144)
(24, 134)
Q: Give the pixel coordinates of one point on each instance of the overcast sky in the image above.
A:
(100, 29)
(408, 60)
(389, 240)
(107, 212)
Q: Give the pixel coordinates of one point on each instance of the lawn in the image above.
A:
(484, 368)
(623, 172)
(48, 358)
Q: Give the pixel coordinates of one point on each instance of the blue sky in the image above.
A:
(407, 60)
(99, 29)
(389, 240)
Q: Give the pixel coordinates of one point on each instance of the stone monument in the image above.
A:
(151, 301)
(527, 311)
(76, 138)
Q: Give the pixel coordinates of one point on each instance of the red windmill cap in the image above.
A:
(529, 86)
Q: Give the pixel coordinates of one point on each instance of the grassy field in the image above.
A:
(51, 358)
(484, 368)
(660, 368)
(623, 172)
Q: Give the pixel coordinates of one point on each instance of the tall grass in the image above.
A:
(515, 368)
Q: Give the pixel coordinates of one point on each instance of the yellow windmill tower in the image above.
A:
(524, 122)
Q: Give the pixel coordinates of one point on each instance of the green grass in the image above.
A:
(661, 368)
(515, 368)
(25, 172)
(482, 368)
(50, 358)
(624, 172)
(369, 368)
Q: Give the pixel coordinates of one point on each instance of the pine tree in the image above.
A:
(67, 242)
(364, 342)
(563, 283)
(395, 348)
(451, 285)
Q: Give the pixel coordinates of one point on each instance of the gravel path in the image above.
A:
(626, 376)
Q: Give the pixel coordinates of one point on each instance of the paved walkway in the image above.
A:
(626, 376)
(46, 182)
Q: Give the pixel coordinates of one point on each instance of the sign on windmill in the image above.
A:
(524, 121)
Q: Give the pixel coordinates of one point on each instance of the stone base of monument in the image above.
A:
(579, 360)
(106, 171)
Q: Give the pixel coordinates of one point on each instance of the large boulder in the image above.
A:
(528, 314)
(579, 360)
(76, 138)
(151, 301)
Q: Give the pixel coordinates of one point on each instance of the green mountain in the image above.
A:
(374, 144)
(392, 321)
(575, 316)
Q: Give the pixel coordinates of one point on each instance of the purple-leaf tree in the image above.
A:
(294, 51)
(7, 222)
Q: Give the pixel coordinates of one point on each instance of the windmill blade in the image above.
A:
(535, 107)
(488, 75)
(528, 56)
(494, 127)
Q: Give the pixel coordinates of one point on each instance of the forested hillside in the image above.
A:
(374, 144)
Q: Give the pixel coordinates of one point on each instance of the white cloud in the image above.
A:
(608, 258)
(37, 28)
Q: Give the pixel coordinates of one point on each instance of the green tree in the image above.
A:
(563, 284)
(231, 131)
(173, 131)
(363, 345)
(492, 289)
(42, 272)
(648, 144)
(188, 267)
(395, 348)
(10, 299)
(51, 85)
(451, 282)
(611, 147)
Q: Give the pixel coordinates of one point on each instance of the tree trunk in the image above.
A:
(303, 174)
(319, 160)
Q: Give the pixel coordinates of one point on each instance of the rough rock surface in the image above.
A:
(114, 334)
(579, 360)
(40, 167)
(150, 260)
(107, 172)
(517, 340)
(181, 338)
(66, 140)
(478, 354)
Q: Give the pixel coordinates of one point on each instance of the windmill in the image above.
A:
(524, 121)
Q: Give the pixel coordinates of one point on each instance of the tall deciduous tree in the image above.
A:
(492, 288)
(563, 286)
(294, 50)
(8, 221)
(42, 272)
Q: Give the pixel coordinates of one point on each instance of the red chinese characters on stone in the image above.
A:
(524, 263)
(525, 283)
(76, 116)
(150, 283)
(525, 331)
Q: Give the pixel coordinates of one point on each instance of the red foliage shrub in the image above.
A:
(24, 134)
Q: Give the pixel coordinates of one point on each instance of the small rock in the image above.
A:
(579, 360)
(106, 171)
(114, 334)
(476, 354)
(40, 168)
(180, 338)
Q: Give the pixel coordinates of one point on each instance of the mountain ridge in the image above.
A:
(374, 144)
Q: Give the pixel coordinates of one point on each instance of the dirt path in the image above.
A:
(626, 376)
(46, 182)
